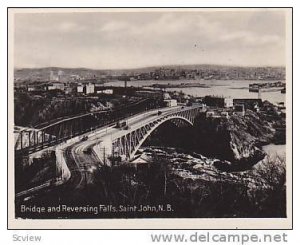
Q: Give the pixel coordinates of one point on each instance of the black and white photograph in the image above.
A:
(159, 114)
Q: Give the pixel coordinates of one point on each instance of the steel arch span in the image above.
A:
(128, 144)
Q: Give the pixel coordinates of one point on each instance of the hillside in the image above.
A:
(42, 74)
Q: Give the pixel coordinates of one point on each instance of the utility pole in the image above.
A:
(21, 139)
(259, 94)
(104, 157)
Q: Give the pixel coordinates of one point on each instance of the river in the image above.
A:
(226, 88)
(275, 150)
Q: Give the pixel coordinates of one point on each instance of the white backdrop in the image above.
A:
(131, 237)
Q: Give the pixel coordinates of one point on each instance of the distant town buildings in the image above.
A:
(36, 88)
(80, 88)
(248, 103)
(86, 88)
(31, 88)
(89, 88)
(198, 72)
(209, 73)
(228, 102)
(56, 77)
(239, 109)
(105, 91)
(57, 85)
(170, 102)
(218, 101)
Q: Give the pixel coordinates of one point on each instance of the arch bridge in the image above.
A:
(125, 143)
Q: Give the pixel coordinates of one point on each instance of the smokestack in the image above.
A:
(59, 74)
(51, 78)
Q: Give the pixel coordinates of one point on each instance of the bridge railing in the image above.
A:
(172, 113)
(161, 117)
(57, 139)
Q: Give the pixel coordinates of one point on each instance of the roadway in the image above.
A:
(84, 163)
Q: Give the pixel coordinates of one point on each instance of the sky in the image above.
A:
(118, 40)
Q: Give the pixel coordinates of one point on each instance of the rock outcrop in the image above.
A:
(237, 139)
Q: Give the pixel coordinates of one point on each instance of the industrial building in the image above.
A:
(170, 103)
(89, 88)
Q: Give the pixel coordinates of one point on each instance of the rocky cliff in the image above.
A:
(237, 139)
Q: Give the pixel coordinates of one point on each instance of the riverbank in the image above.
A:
(238, 139)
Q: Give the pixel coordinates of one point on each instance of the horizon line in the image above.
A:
(154, 66)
